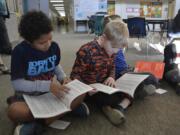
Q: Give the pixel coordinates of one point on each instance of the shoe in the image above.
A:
(144, 91)
(81, 111)
(115, 115)
(149, 89)
(32, 128)
(4, 69)
(17, 130)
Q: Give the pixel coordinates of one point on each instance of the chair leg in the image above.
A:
(147, 49)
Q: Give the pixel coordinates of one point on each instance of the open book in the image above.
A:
(126, 84)
(48, 105)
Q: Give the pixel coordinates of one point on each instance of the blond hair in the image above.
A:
(117, 33)
(110, 18)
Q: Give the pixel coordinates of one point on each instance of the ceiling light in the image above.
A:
(58, 5)
(59, 8)
(57, 1)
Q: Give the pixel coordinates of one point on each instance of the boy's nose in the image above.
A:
(48, 43)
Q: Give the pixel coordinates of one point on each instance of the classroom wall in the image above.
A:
(123, 8)
(84, 9)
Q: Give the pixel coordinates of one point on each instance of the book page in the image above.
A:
(45, 106)
(77, 88)
(59, 124)
(129, 82)
(161, 91)
(103, 88)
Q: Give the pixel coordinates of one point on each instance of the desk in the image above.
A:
(161, 22)
(82, 23)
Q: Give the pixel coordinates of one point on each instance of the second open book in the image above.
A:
(48, 105)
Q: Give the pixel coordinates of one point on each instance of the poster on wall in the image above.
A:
(156, 10)
(145, 9)
(102, 5)
(151, 9)
(111, 8)
(85, 8)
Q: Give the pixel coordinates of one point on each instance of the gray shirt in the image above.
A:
(22, 85)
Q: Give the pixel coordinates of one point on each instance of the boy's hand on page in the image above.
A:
(57, 89)
(65, 81)
(110, 82)
(94, 91)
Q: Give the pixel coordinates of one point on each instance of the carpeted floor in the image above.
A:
(155, 115)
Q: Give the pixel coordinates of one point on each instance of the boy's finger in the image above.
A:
(66, 90)
(54, 79)
(61, 94)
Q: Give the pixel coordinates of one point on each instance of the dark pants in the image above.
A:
(101, 99)
(5, 45)
(173, 76)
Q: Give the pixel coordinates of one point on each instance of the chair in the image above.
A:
(163, 28)
(98, 27)
(137, 28)
(170, 25)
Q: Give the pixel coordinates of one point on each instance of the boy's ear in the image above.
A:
(102, 38)
(104, 35)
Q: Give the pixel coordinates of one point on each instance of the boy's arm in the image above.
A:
(59, 72)
(31, 86)
(81, 65)
(112, 72)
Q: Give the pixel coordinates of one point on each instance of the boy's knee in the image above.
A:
(11, 112)
(17, 111)
(78, 101)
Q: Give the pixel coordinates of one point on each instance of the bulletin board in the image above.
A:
(85, 8)
(151, 9)
(156, 10)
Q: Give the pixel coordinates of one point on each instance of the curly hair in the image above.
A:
(33, 25)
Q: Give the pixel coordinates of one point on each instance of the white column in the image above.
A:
(177, 7)
(42, 5)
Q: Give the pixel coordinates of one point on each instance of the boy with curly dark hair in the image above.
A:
(34, 63)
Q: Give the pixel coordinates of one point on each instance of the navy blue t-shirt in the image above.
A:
(33, 64)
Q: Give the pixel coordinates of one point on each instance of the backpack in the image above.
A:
(170, 56)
